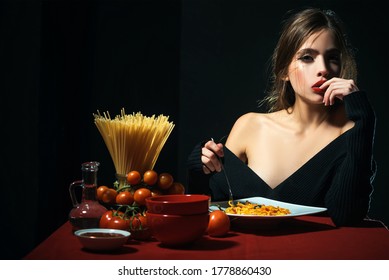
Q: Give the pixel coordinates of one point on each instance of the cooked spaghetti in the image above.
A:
(249, 208)
(134, 141)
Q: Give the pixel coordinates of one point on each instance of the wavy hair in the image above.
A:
(295, 31)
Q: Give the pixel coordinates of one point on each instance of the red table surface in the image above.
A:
(303, 238)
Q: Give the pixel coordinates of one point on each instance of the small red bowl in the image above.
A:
(178, 204)
(175, 230)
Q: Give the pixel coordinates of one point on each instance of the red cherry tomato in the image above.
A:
(219, 223)
(155, 192)
(109, 196)
(138, 222)
(138, 227)
(140, 195)
(100, 191)
(125, 198)
(165, 180)
(150, 177)
(176, 188)
(133, 177)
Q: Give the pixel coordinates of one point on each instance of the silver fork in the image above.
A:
(231, 198)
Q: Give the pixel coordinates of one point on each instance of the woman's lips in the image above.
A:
(316, 87)
(318, 90)
(319, 83)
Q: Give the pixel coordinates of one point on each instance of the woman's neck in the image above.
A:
(308, 117)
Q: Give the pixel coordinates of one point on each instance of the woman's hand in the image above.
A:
(210, 154)
(337, 88)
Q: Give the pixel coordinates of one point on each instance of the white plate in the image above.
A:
(295, 209)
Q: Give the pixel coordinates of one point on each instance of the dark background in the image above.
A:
(203, 63)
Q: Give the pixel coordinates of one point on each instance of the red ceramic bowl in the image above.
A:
(175, 230)
(178, 204)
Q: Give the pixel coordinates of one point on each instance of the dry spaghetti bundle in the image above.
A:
(134, 141)
(249, 208)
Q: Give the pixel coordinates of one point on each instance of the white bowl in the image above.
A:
(102, 239)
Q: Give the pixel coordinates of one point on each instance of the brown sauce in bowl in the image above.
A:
(101, 234)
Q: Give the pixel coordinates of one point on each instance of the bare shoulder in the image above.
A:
(249, 121)
(259, 121)
(245, 128)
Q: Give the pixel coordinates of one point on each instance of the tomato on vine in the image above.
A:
(105, 218)
(176, 188)
(138, 222)
(139, 228)
(134, 177)
(109, 196)
(165, 180)
(150, 177)
(125, 198)
(119, 222)
(140, 196)
(156, 192)
(99, 192)
(114, 219)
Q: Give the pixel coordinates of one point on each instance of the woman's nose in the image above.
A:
(322, 73)
(322, 68)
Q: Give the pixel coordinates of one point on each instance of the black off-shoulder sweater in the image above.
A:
(339, 177)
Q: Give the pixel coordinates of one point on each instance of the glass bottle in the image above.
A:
(86, 214)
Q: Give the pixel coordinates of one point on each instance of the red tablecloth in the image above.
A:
(308, 237)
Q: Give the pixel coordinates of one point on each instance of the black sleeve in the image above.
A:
(198, 181)
(348, 198)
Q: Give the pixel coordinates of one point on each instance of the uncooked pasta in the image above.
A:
(134, 141)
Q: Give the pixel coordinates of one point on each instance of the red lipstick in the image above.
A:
(316, 87)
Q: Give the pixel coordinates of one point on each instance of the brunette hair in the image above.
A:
(295, 31)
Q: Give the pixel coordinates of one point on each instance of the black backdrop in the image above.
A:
(201, 62)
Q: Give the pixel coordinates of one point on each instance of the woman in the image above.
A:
(314, 146)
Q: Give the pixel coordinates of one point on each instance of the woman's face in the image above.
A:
(316, 61)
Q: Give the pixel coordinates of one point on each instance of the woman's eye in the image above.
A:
(306, 58)
(334, 59)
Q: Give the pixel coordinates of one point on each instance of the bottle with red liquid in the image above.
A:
(87, 213)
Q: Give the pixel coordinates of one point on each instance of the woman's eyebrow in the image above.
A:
(314, 51)
(307, 50)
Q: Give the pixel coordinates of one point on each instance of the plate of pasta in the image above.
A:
(264, 208)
